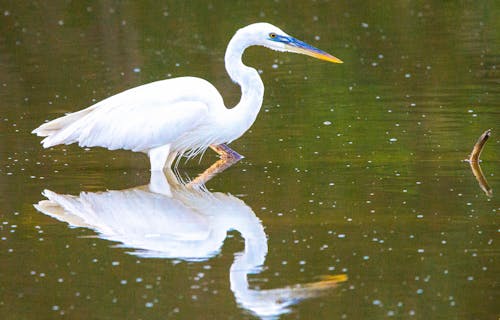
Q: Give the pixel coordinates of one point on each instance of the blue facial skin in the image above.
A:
(295, 42)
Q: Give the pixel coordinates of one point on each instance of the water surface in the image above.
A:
(353, 178)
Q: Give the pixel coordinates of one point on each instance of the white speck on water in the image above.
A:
(376, 302)
(327, 123)
(137, 70)
(364, 25)
(420, 250)
(275, 66)
(420, 291)
(149, 304)
(407, 75)
(60, 22)
(341, 236)
(393, 139)
(115, 263)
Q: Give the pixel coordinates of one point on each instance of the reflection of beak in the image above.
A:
(297, 46)
(328, 281)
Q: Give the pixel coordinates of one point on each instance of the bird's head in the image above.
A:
(274, 38)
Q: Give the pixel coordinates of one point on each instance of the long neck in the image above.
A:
(252, 88)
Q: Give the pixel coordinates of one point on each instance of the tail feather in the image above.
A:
(57, 207)
(52, 129)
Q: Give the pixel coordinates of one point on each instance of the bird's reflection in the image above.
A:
(170, 219)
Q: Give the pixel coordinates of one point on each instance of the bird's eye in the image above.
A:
(272, 35)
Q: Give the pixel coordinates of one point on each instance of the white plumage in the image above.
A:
(177, 116)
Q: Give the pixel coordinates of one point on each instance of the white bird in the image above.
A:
(179, 116)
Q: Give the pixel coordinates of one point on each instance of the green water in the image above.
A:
(351, 170)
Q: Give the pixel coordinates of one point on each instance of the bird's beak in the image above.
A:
(297, 46)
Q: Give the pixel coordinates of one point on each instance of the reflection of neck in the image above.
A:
(249, 261)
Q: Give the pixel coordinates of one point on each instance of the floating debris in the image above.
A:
(478, 147)
(474, 163)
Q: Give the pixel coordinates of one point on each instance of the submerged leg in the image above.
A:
(158, 157)
(228, 157)
(158, 183)
(226, 153)
(216, 168)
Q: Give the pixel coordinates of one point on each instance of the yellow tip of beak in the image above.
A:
(326, 56)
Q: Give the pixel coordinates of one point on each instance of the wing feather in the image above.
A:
(137, 119)
(127, 127)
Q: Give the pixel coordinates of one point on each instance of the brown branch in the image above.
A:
(478, 147)
(474, 163)
(483, 183)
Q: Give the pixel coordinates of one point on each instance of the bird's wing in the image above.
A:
(140, 127)
(138, 119)
(156, 225)
(127, 215)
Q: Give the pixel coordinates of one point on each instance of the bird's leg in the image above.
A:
(226, 153)
(158, 157)
(158, 183)
(216, 168)
(228, 157)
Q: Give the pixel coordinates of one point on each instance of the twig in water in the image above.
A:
(478, 147)
(474, 163)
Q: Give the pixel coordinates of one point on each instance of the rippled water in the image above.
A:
(353, 200)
